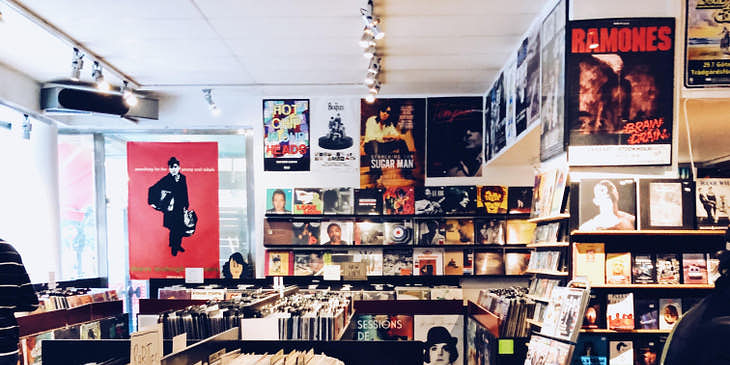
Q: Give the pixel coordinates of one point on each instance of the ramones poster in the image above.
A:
(454, 131)
(619, 89)
(552, 70)
(335, 123)
(391, 142)
(708, 43)
(173, 208)
(286, 135)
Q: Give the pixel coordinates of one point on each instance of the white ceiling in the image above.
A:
(430, 47)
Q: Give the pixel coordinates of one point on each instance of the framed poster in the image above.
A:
(527, 91)
(286, 135)
(707, 43)
(334, 135)
(454, 129)
(552, 81)
(713, 202)
(173, 208)
(667, 204)
(620, 92)
(392, 134)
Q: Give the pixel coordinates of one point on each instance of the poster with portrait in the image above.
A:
(707, 40)
(286, 134)
(487, 125)
(443, 335)
(454, 129)
(335, 134)
(620, 92)
(552, 81)
(498, 122)
(509, 98)
(713, 202)
(607, 204)
(173, 208)
(392, 134)
(527, 94)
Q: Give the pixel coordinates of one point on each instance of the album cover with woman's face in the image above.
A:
(443, 336)
(607, 204)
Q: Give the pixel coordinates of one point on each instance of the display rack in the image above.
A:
(46, 321)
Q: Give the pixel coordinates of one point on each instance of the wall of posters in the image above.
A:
(707, 40)
(619, 85)
(499, 113)
(335, 134)
(391, 142)
(552, 64)
(173, 208)
(286, 135)
(509, 96)
(527, 92)
(454, 129)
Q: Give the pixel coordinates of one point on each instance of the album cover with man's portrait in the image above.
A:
(335, 232)
(712, 202)
(460, 200)
(454, 126)
(607, 204)
(430, 200)
(667, 204)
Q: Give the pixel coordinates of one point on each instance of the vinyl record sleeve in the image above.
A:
(667, 204)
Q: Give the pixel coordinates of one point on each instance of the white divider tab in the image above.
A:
(194, 275)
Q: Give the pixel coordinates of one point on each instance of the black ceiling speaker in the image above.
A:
(84, 99)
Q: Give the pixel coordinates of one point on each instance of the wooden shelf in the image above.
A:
(551, 218)
(605, 331)
(524, 150)
(538, 299)
(548, 244)
(654, 286)
(534, 322)
(551, 273)
(653, 232)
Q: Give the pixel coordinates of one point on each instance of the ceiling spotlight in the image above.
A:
(98, 77)
(208, 95)
(77, 63)
(129, 98)
(374, 66)
(369, 52)
(369, 79)
(370, 98)
(367, 39)
(375, 88)
(377, 34)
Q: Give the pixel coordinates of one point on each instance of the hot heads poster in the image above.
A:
(619, 90)
(286, 135)
(335, 134)
(455, 129)
(708, 43)
(391, 142)
(173, 208)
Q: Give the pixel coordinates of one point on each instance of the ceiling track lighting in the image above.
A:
(128, 95)
(98, 77)
(374, 66)
(367, 39)
(208, 95)
(369, 52)
(77, 64)
(371, 33)
(375, 87)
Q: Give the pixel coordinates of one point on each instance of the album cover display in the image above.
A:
(563, 315)
(542, 348)
(336, 232)
(67, 333)
(620, 311)
(667, 204)
(648, 352)
(519, 199)
(373, 260)
(306, 232)
(490, 231)
(430, 200)
(398, 200)
(488, 263)
(594, 315)
(694, 268)
(621, 352)
(492, 199)
(548, 233)
(398, 232)
(454, 138)
(368, 201)
(397, 262)
(515, 263)
(589, 260)
(307, 201)
(647, 314)
(278, 232)
(447, 329)
(431, 232)
(591, 350)
(643, 269)
(670, 310)
(279, 263)
(618, 268)
(368, 232)
(527, 92)
(460, 200)
(558, 191)
(383, 327)
(278, 201)
(459, 232)
(469, 262)
(454, 262)
(308, 263)
(713, 268)
(712, 202)
(428, 261)
(607, 204)
(338, 201)
(520, 231)
(552, 82)
(667, 268)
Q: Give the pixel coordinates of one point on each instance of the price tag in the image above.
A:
(194, 275)
(331, 272)
(179, 342)
(506, 347)
(145, 348)
(354, 271)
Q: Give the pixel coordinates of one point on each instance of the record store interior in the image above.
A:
(364, 182)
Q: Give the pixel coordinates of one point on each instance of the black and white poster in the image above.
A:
(552, 64)
(444, 338)
(620, 91)
(607, 204)
(509, 98)
(487, 126)
(454, 129)
(498, 120)
(667, 204)
(335, 134)
(527, 91)
(712, 202)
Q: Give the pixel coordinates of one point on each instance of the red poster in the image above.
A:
(173, 208)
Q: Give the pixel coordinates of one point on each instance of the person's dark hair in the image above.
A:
(329, 198)
(440, 334)
(332, 225)
(278, 192)
(723, 268)
(172, 161)
(237, 257)
(468, 120)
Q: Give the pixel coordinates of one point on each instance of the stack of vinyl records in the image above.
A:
(295, 357)
(203, 321)
(73, 297)
(511, 306)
